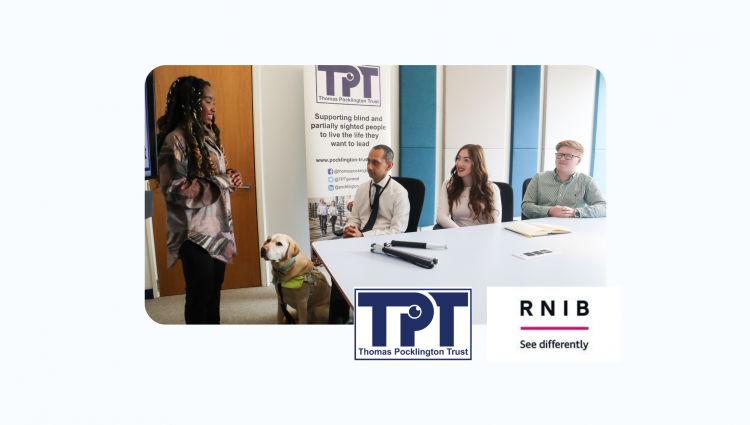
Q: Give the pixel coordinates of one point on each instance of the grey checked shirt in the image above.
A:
(580, 192)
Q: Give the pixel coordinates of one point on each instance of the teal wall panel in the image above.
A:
(524, 131)
(417, 130)
(419, 163)
(599, 143)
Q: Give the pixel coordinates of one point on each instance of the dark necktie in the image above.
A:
(374, 212)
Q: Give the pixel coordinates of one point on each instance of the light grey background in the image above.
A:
(80, 348)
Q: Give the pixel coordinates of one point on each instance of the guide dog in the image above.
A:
(312, 299)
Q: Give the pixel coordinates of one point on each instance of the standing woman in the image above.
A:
(468, 198)
(333, 213)
(196, 185)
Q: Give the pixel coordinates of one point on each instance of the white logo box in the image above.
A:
(543, 337)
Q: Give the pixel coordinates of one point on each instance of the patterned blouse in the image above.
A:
(198, 210)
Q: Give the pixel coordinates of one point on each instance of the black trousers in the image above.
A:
(323, 223)
(333, 223)
(203, 278)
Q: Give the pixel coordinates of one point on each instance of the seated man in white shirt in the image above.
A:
(381, 205)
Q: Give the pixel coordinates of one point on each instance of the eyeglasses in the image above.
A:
(566, 155)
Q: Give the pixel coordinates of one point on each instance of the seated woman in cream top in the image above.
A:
(468, 198)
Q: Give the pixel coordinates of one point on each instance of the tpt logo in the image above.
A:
(348, 84)
(412, 324)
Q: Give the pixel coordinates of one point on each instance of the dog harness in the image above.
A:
(312, 277)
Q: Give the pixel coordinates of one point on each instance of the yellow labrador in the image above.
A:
(312, 299)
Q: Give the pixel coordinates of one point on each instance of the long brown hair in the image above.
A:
(183, 110)
(481, 195)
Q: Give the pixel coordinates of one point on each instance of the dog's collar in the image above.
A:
(288, 266)
(282, 270)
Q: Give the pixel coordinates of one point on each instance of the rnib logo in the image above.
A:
(330, 171)
(413, 324)
(330, 179)
(348, 84)
(330, 187)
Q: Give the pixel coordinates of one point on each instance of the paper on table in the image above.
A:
(535, 254)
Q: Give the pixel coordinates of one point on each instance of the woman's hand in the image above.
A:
(235, 177)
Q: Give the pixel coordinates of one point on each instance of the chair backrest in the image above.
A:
(506, 198)
(416, 190)
(523, 193)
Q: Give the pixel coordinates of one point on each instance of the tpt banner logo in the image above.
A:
(412, 324)
(348, 85)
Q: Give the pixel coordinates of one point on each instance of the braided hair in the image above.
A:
(184, 110)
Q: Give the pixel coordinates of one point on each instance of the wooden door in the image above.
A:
(234, 117)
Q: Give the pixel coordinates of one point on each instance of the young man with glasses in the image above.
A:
(564, 192)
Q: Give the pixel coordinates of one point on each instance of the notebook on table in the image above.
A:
(536, 229)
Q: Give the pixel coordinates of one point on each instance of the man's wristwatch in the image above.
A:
(578, 214)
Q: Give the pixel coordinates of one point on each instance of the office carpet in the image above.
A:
(256, 306)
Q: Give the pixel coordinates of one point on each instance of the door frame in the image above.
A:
(260, 199)
(151, 253)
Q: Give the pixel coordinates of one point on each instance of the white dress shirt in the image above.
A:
(462, 214)
(393, 210)
(322, 209)
(332, 210)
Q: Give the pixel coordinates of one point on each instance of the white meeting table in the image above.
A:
(477, 257)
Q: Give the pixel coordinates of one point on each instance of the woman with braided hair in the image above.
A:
(196, 185)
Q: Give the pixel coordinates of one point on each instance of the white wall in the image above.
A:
(568, 111)
(477, 111)
(281, 173)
